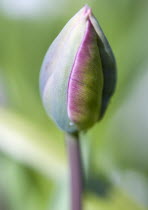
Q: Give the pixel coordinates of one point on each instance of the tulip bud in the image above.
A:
(78, 74)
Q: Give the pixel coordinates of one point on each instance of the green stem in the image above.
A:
(76, 170)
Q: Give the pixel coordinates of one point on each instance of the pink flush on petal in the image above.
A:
(82, 81)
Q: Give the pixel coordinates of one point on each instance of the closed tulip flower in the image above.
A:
(78, 74)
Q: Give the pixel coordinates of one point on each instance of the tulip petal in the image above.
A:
(57, 67)
(86, 82)
(108, 65)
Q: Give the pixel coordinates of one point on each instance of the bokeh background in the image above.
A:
(33, 163)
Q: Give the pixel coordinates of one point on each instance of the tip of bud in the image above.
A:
(87, 11)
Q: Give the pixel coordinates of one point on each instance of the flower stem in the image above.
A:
(76, 170)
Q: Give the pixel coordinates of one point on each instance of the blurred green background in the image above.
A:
(33, 163)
